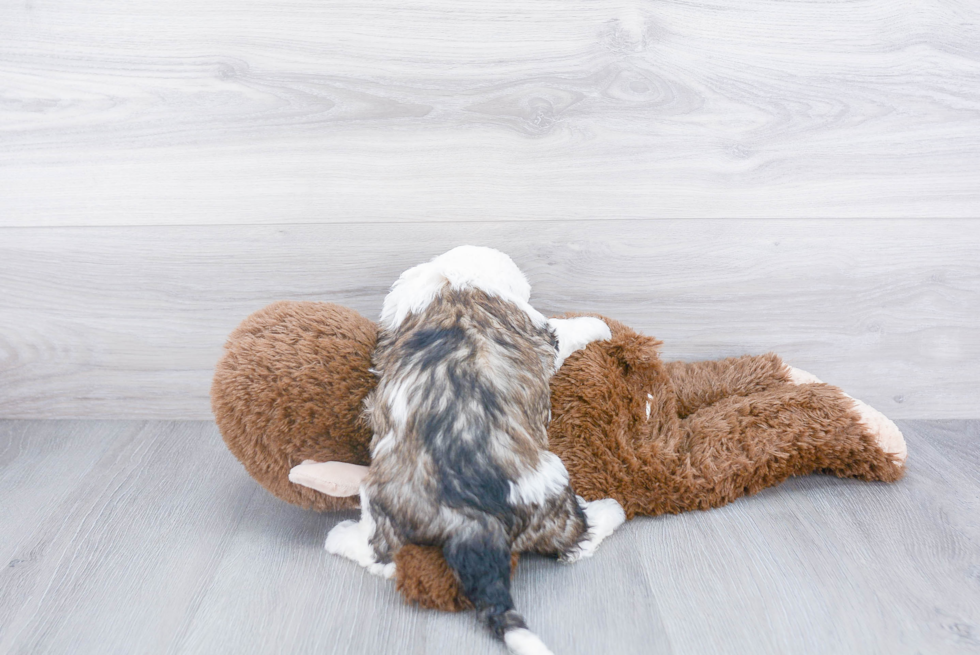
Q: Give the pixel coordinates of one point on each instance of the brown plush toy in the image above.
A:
(658, 437)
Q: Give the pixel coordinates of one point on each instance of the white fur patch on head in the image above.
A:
(548, 479)
(465, 267)
(522, 641)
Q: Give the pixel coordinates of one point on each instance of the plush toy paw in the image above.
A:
(603, 517)
(888, 435)
(332, 478)
(799, 376)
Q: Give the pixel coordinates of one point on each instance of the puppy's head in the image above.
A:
(464, 267)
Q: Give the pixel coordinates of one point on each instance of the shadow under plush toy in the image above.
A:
(659, 437)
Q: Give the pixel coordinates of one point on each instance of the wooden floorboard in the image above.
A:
(148, 537)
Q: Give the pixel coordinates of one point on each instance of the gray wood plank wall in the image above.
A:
(128, 322)
(158, 162)
(118, 112)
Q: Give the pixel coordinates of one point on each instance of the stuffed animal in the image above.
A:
(659, 437)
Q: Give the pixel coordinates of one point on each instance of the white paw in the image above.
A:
(889, 437)
(603, 517)
(351, 539)
(386, 571)
(589, 329)
(799, 376)
(576, 333)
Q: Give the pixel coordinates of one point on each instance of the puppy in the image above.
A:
(459, 451)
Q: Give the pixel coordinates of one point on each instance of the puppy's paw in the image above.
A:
(603, 517)
(386, 571)
(343, 538)
(351, 539)
(887, 434)
(576, 333)
(589, 329)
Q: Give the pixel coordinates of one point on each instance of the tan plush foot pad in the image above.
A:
(890, 438)
(799, 376)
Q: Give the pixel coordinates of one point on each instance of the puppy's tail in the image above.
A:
(480, 556)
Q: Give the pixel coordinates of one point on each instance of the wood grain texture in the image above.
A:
(150, 538)
(793, 552)
(129, 322)
(139, 112)
(139, 533)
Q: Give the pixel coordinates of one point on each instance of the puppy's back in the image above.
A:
(460, 416)
(463, 392)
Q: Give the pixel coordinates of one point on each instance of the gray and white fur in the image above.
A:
(460, 454)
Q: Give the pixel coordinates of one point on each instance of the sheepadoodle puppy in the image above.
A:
(459, 451)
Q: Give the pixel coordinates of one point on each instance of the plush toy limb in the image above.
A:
(700, 384)
(423, 577)
(887, 434)
(741, 445)
(332, 478)
(603, 517)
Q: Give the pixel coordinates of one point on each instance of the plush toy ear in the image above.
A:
(332, 478)
(634, 351)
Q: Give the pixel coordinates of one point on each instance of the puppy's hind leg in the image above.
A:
(571, 528)
(352, 539)
(602, 517)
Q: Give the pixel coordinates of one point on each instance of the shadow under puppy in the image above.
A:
(459, 453)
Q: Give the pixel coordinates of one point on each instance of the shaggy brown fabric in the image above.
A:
(289, 387)
(716, 431)
(424, 577)
(293, 377)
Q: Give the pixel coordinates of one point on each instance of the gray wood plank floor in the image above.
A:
(148, 537)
